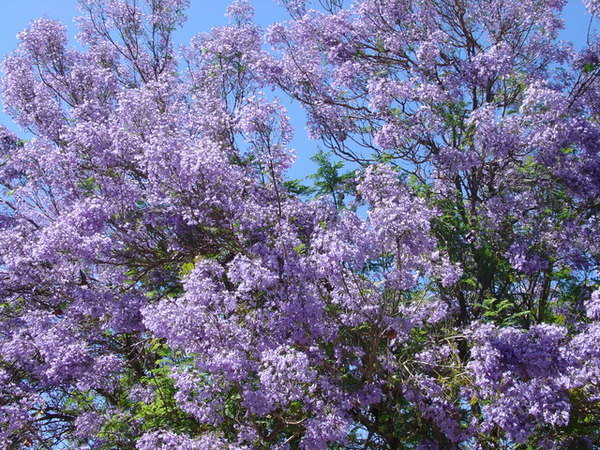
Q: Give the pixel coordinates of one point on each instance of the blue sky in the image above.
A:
(202, 16)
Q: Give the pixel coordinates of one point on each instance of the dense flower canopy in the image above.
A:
(166, 285)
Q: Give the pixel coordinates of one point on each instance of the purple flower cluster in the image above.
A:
(165, 285)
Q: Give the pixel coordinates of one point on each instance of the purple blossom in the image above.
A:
(165, 285)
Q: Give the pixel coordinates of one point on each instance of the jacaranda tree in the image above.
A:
(165, 285)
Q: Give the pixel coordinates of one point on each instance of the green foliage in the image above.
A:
(163, 411)
(590, 68)
(296, 187)
(502, 311)
(159, 411)
(328, 180)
